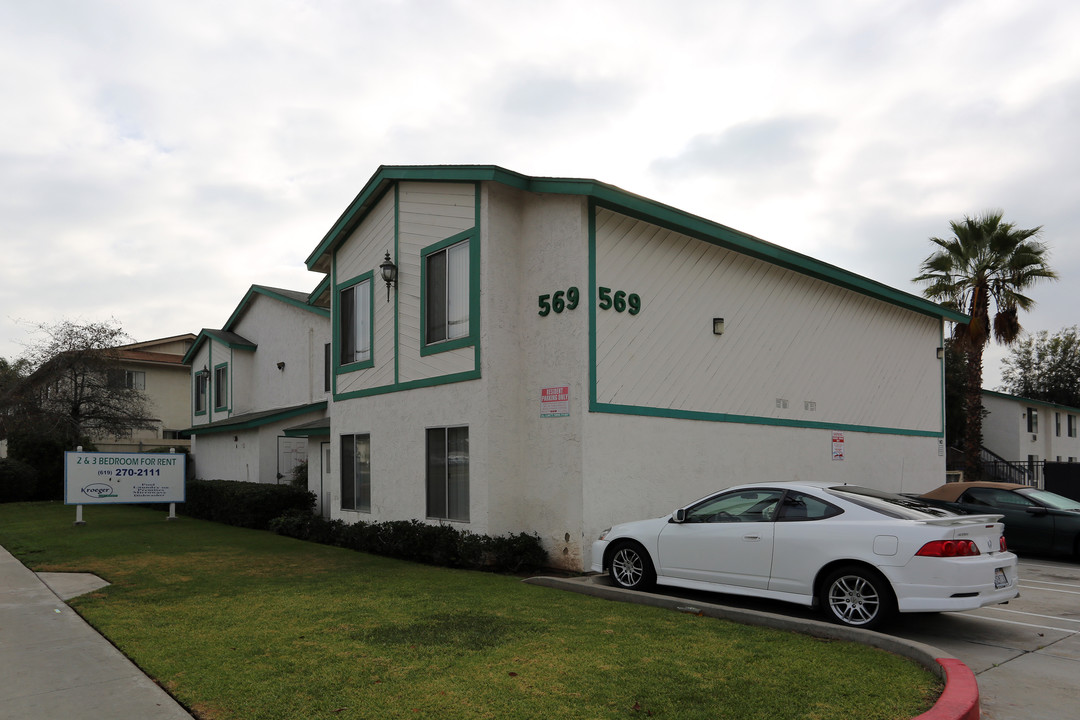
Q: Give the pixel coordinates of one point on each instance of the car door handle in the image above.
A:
(751, 538)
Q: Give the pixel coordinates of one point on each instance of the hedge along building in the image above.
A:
(557, 355)
(262, 372)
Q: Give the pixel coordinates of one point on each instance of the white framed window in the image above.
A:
(1071, 420)
(129, 379)
(1032, 420)
(446, 293)
(356, 472)
(448, 473)
(354, 321)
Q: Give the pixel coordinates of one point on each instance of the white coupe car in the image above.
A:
(860, 554)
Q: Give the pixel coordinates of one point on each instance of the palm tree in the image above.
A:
(984, 270)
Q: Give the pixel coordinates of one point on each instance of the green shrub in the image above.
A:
(18, 481)
(413, 540)
(299, 475)
(244, 504)
(44, 453)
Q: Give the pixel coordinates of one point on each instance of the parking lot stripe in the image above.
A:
(1046, 589)
(1048, 582)
(1014, 622)
(1021, 612)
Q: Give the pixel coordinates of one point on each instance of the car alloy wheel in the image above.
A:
(631, 568)
(857, 598)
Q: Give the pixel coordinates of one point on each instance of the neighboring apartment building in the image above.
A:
(157, 368)
(1026, 432)
(263, 371)
(557, 355)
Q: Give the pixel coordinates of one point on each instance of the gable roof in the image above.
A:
(294, 298)
(620, 200)
(1018, 398)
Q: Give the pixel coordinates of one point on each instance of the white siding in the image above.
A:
(428, 213)
(787, 336)
(364, 252)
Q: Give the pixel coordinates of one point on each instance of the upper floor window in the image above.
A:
(354, 324)
(327, 367)
(221, 387)
(446, 293)
(1057, 424)
(201, 382)
(130, 379)
(1032, 420)
(1071, 419)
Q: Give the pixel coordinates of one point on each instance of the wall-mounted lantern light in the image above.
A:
(940, 353)
(205, 370)
(281, 365)
(718, 326)
(389, 274)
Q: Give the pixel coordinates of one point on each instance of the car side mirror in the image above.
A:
(1036, 510)
(679, 515)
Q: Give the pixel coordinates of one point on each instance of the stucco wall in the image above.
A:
(870, 367)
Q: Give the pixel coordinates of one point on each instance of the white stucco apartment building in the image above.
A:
(262, 372)
(557, 355)
(1021, 430)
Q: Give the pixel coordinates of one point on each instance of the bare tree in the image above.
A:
(76, 387)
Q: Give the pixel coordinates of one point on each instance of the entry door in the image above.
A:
(325, 482)
(291, 452)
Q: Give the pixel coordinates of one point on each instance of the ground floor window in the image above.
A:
(448, 473)
(356, 472)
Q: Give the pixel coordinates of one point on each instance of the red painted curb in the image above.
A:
(960, 700)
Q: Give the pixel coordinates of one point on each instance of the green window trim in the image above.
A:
(220, 404)
(472, 237)
(340, 367)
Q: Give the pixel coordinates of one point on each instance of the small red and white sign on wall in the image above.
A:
(838, 445)
(555, 401)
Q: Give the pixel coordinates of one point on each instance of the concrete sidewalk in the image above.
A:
(54, 665)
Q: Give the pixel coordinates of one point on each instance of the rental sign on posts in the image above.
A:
(101, 478)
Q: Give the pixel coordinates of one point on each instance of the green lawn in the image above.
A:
(245, 624)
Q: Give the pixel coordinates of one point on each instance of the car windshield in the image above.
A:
(889, 504)
(1051, 500)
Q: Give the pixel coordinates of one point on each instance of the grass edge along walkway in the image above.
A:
(248, 625)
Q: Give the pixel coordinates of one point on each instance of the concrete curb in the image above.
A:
(959, 701)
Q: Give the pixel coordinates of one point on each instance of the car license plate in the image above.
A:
(1000, 580)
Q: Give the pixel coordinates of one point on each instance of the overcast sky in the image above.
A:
(158, 158)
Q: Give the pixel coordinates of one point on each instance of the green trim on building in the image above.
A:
(472, 339)
(224, 407)
(338, 368)
(621, 201)
(472, 236)
(1019, 398)
(254, 420)
(753, 420)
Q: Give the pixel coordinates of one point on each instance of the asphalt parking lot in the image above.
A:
(1025, 655)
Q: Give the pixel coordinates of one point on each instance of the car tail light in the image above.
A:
(1004, 548)
(949, 548)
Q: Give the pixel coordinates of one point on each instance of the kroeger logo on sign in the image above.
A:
(98, 490)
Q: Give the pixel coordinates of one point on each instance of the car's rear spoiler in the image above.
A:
(963, 520)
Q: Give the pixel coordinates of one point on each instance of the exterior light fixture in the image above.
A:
(205, 370)
(940, 353)
(718, 326)
(281, 365)
(389, 274)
